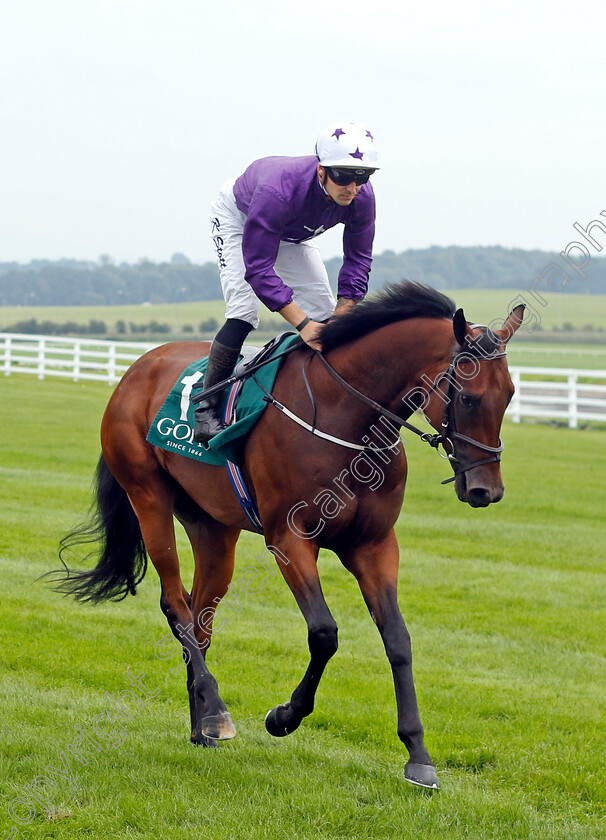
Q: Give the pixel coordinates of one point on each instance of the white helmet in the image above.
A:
(347, 145)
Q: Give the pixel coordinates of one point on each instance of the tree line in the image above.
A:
(73, 283)
(79, 283)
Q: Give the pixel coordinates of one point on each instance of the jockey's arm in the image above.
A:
(344, 305)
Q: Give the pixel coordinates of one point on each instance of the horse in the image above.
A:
(334, 479)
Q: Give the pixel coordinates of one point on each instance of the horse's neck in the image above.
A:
(393, 359)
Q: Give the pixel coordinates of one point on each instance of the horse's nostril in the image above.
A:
(478, 497)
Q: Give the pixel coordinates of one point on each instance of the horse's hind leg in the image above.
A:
(297, 561)
(152, 499)
(213, 546)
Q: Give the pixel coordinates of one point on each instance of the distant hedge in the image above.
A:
(99, 328)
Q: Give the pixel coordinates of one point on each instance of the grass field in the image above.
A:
(481, 305)
(506, 611)
(545, 354)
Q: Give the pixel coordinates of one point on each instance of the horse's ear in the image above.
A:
(459, 325)
(512, 323)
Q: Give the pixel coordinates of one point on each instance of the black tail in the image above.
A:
(121, 556)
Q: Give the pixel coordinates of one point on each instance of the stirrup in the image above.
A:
(208, 425)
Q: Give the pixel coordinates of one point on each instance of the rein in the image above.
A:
(425, 436)
(264, 357)
(443, 438)
(269, 398)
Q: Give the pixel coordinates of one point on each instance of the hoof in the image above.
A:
(423, 775)
(199, 740)
(275, 722)
(218, 727)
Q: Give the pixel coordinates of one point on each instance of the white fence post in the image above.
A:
(41, 357)
(76, 368)
(572, 401)
(515, 405)
(111, 365)
(7, 355)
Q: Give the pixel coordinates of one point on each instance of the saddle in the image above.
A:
(258, 355)
(252, 359)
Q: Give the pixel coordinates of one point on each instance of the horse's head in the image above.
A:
(467, 403)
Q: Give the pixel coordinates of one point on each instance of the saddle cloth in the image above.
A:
(173, 427)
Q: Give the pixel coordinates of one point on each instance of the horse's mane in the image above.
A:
(396, 302)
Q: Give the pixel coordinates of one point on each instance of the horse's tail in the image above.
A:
(120, 553)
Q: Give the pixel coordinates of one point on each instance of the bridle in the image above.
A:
(445, 437)
(449, 431)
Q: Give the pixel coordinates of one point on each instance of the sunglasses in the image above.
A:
(344, 177)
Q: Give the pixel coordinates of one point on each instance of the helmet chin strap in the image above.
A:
(321, 183)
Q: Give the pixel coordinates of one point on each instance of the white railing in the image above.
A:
(75, 358)
(556, 393)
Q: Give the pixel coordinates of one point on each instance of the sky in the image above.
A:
(122, 118)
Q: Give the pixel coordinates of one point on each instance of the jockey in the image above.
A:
(263, 224)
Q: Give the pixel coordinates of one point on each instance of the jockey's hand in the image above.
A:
(295, 316)
(309, 333)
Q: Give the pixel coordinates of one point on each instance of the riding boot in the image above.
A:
(221, 362)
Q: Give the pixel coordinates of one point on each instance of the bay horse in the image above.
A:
(401, 350)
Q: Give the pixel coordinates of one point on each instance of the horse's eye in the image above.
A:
(469, 401)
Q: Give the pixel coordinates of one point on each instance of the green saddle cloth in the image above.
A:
(173, 426)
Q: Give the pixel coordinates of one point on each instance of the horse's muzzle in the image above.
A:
(478, 493)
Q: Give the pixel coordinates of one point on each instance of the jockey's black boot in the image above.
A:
(221, 362)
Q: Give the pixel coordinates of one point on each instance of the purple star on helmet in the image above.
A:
(368, 134)
(338, 133)
(358, 155)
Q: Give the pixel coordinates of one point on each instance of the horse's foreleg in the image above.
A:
(298, 565)
(213, 546)
(153, 507)
(376, 568)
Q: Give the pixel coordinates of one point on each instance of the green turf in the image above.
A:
(580, 311)
(175, 314)
(481, 305)
(564, 355)
(505, 608)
